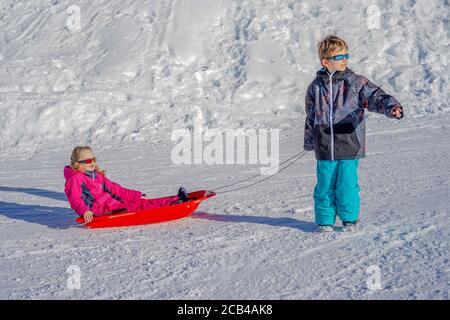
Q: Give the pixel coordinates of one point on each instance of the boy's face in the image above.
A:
(333, 65)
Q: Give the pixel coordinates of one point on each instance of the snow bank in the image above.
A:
(109, 72)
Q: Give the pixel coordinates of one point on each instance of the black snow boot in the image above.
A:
(183, 195)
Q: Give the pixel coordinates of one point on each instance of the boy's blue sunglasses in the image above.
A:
(339, 57)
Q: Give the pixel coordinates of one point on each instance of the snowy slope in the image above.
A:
(135, 71)
(254, 244)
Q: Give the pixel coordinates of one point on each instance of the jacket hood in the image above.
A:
(68, 172)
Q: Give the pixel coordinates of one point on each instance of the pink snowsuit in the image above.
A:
(95, 192)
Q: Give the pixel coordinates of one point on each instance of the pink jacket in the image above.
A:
(95, 192)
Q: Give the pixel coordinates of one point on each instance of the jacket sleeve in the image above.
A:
(124, 193)
(309, 120)
(74, 195)
(375, 99)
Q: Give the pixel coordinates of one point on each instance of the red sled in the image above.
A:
(156, 215)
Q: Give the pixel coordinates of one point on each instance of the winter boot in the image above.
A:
(183, 195)
(324, 228)
(350, 226)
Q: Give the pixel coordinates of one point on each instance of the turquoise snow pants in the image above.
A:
(337, 191)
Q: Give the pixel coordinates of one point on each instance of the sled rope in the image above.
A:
(256, 175)
(296, 157)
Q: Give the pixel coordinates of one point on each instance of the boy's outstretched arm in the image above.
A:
(309, 120)
(376, 100)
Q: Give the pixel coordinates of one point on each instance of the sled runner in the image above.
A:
(155, 215)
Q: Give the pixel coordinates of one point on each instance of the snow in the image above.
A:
(135, 71)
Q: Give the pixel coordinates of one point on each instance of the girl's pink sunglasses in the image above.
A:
(88, 161)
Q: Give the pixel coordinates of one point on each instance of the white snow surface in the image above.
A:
(257, 244)
(136, 70)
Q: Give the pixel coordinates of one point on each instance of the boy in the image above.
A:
(339, 97)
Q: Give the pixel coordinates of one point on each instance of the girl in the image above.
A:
(91, 193)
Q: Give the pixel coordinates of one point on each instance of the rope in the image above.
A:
(256, 175)
(295, 157)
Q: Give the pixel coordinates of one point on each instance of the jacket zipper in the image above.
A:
(331, 116)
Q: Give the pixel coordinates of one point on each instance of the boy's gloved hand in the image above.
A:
(397, 112)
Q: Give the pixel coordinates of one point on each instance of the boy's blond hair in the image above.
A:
(330, 44)
(75, 157)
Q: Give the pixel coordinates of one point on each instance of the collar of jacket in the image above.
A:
(324, 75)
(91, 174)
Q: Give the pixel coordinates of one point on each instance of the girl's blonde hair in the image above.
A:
(330, 44)
(75, 157)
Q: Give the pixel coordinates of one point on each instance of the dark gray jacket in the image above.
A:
(352, 94)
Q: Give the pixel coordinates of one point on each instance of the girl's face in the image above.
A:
(86, 155)
(333, 65)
